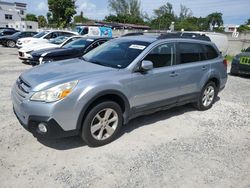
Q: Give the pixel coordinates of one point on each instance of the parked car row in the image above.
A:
(91, 86)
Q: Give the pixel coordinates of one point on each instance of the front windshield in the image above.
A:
(79, 43)
(40, 34)
(58, 40)
(117, 53)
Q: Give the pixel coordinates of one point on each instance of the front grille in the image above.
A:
(245, 60)
(22, 88)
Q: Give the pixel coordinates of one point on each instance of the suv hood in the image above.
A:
(50, 74)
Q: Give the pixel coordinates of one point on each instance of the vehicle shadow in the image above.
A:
(76, 141)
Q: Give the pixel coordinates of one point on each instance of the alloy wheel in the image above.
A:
(208, 96)
(104, 124)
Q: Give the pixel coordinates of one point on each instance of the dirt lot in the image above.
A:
(180, 147)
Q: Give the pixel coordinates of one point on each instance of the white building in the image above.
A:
(13, 15)
(231, 27)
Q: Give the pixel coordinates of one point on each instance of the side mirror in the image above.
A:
(146, 65)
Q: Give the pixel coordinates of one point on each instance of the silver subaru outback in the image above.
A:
(124, 78)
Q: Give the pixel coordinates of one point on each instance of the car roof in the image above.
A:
(154, 38)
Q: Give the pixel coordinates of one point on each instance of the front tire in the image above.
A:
(11, 43)
(207, 96)
(102, 124)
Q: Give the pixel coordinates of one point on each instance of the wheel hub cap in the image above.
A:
(208, 96)
(104, 124)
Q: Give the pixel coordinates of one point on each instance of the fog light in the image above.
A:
(42, 127)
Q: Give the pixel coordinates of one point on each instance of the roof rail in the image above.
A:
(133, 34)
(184, 35)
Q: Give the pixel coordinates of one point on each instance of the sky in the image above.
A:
(234, 11)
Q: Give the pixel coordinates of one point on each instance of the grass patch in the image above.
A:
(229, 58)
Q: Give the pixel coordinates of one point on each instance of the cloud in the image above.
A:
(91, 9)
(86, 5)
(42, 6)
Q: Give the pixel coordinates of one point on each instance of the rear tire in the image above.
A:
(11, 43)
(102, 124)
(207, 96)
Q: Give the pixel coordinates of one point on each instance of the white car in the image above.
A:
(43, 36)
(24, 53)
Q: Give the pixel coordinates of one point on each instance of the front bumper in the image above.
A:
(239, 69)
(30, 114)
(54, 130)
(24, 56)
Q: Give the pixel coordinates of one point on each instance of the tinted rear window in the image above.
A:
(191, 52)
(210, 52)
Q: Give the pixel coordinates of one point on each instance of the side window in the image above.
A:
(162, 55)
(210, 52)
(28, 34)
(67, 34)
(48, 36)
(94, 45)
(191, 52)
(55, 34)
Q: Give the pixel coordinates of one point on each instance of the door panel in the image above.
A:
(158, 86)
(193, 67)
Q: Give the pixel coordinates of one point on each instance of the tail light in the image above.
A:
(225, 62)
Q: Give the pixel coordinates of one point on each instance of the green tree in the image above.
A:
(124, 19)
(185, 12)
(42, 22)
(164, 9)
(80, 18)
(126, 11)
(192, 24)
(31, 17)
(243, 28)
(215, 19)
(248, 22)
(163, 17)
(124, 7)
(62, 11)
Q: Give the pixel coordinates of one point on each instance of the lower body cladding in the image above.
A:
(45, 127)
(49, 120)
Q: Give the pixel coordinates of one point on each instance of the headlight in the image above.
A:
(55, 93)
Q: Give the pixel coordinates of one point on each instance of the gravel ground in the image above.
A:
(180, 147)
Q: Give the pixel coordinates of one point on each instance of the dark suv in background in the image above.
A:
(241, 63)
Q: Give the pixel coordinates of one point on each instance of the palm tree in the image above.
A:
(215, 19)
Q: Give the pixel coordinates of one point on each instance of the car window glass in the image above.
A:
(48, 36)
(162, 56)
(55, 34)
(85, 31)
(96, 44)
(210, 52)
(248, 49)
(117, 53)
(66, 34)
(40, 34)
(191, 52)
(80, 43)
